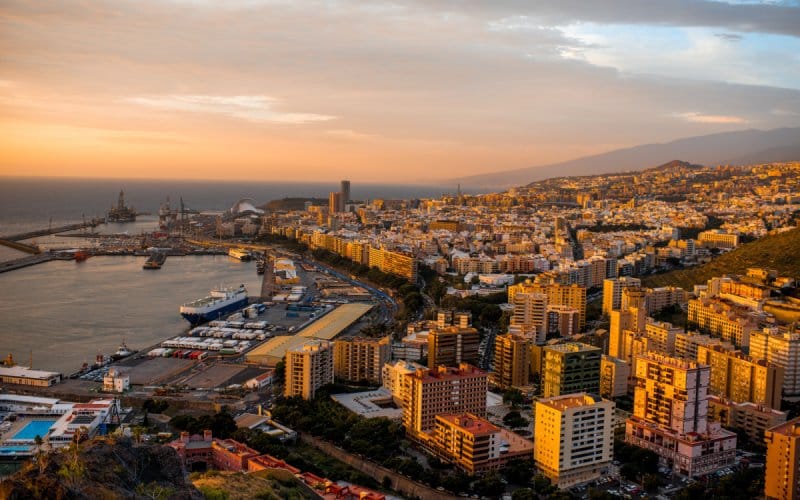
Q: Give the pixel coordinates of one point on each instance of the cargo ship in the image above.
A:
(122, 212)
(239, 253)
(220, 302)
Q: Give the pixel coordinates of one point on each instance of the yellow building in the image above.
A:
(308, 368)
(574, 438)
(511, 361)
(557, 294)
(740, 378)
(612, 291)
(781, 348)
(474, 444)
(722, 319)
(360, 359)
(444, 390)
(782, 479)
(748, 417)
(614, 374)
(670, 410)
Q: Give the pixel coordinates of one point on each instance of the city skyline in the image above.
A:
(409, 91)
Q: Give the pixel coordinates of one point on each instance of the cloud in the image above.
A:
(254, 108)
(729, 37)
(349, 134)
(695, 117)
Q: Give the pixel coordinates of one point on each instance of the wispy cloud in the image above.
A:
(253, 108)
(729, 37)
(349, 134)
(695, 117)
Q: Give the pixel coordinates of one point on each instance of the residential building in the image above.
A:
(511, 361)
(782, 348)
(529, 317)
(562, 321)
(670, 416)
(750, 418)
(394, 375)
(440, 391)
(474, 444)
(722, 319)
(686, 344)
(632, 316)
(740, 378)
(308, 368)
(716, 238)
(614, 375)
(782, 475)
(452, 345)
(569, 368)
(574, 438)
(557, 294)
(612, 291)
(360, 359)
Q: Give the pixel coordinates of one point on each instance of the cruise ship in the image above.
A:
(221, 301)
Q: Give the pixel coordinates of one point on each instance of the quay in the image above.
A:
(22, 247)
(52, 230)
(25, 262)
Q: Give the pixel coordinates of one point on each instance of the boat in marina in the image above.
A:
(219, 302)
(239, 253)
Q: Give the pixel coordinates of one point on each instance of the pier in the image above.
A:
(22, 247)
(52, 230)
(25, 262)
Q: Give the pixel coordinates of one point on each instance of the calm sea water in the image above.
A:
(65, 313)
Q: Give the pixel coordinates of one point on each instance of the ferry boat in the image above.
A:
(239, 253)
(123, 352)
(220, 302)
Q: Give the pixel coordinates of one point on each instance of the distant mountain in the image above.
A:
(676, 164)
(735, 148)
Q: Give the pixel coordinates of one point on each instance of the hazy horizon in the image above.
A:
(408, 91)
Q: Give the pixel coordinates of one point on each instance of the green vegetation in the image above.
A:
(774, 251)
(485, 309)
(155, 405)
(221, 424)
(744, 483)
(638, 464)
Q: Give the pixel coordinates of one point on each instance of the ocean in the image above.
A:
(63, 313)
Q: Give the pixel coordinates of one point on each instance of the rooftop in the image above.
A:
(571, 401)
(24, 371)
(790, 428)
(470, 423)
(332, 324)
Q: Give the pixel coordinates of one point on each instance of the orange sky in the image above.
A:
(398, 92)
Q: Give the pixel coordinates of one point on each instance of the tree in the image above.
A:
(513, 397)
(491, 484)
(515, 420)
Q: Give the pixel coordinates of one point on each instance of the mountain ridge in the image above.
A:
(736, 148)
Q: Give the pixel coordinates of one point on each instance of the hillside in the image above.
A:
(240, 486)
(775, 251)
(736, 148)
(103, 468)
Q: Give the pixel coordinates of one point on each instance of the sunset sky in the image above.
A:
(399, 91)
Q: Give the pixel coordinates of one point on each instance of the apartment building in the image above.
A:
(574, 438)
(780, 347)
(452, 345)
(474, 444)
(511, 361)
(670, 416)
(614, 375)
(751, 418)
(722, 319)
(360, 359)
(440, 391)
(782, 475)
(738, 377)
(612, 291)
(570, 368)
(308, 368)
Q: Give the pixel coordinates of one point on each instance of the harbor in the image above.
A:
(194, 364)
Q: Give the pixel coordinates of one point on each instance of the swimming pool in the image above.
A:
(34, 428)
(13, 450)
